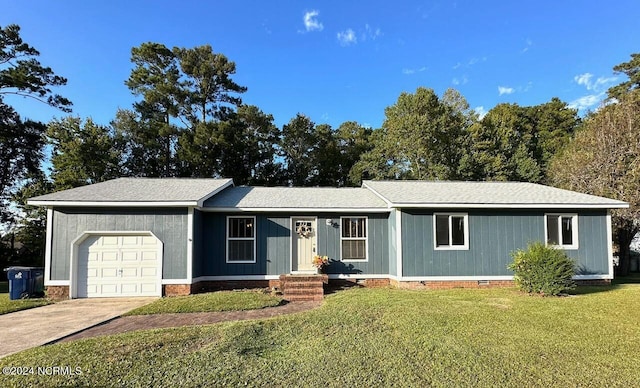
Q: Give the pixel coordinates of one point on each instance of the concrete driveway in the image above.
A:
(38, 326)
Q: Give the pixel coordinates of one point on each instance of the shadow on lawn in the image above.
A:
(632, 278)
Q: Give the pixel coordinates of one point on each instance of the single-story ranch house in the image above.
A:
(145, 236)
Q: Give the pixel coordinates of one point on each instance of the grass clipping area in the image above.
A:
(8, 306)
(376, 337)
(213, 301)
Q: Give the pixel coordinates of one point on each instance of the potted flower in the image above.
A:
(320, 262)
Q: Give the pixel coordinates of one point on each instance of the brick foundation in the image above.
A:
(219, 285)
(448, 284)
(594, 282)
(58, 292)
(176, 289)
(377, 283)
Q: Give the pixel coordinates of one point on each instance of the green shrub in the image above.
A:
(542, 269)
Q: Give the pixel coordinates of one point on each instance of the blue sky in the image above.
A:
(336, 60)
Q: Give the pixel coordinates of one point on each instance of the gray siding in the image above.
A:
(493, 235)
(273, 245)
(169, 225)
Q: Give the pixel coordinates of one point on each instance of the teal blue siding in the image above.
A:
(197, 266)
(378, 245)
(169, 225)
(273, 245)
(493, 235)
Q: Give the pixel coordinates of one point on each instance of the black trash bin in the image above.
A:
(25, 282)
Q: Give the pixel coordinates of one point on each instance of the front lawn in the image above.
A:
(212, 301)
(9, 306)
(376, 337)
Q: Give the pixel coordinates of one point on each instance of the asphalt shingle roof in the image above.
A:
(139, 190)
(483, 193)
(295, 197)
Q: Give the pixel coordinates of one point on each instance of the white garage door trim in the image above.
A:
(75, 245)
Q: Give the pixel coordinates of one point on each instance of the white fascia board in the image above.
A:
(366, 186)
(214, 192)
(175, 281)
(49, 282)
(111, 204)
(295, 210)
(508, 206)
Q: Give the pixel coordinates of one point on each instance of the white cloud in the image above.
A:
(347, 37)
(480, 111)
(528, 43)
(584, 79)
(413, 71)
(457, 65)
(311, 22)
(370, 33)
(586, 102)
(460, 81)
(505, 90)
(598, 85)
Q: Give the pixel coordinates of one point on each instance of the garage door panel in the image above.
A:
(131, 241)
(130, 272)
(148, 272)
(130, 255)
(126, 265)
(109, 241)
(130, 288)
(107, 273)
(149, 288)
(148, 241)
(108, 289)
(108, 256)
(149, 256)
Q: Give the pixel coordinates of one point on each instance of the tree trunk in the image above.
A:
(624, 236)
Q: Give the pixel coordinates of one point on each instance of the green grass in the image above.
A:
(9, 306)
(213, 301)
(377, 337)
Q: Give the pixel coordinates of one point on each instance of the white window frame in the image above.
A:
(574, 230)
(229, 238)
(365, 239)
(451, 247)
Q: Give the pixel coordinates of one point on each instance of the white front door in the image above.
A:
(118, 265)
(303, 247)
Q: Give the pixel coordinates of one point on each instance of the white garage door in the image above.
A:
(110, 266)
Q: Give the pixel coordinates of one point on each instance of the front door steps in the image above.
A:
(303, 287)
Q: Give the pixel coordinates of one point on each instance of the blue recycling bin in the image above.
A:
(25, 282)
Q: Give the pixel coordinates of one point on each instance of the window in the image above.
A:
(451, 231)
(353, 240)
(241, 240)
(562, 230)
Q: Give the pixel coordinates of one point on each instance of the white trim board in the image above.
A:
(190, 227)
(47, 248)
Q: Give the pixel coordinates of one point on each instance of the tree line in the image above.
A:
(189, 120)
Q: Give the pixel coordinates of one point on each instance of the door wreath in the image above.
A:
(303, 230)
